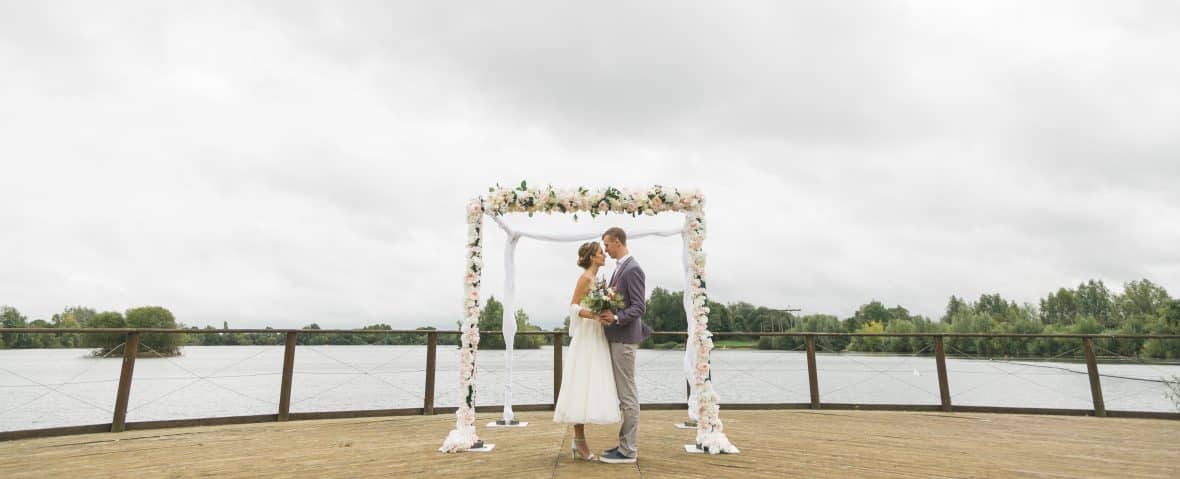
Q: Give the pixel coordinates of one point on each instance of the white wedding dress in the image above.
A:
(588, 394)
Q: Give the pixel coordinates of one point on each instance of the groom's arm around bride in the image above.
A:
(632, 283)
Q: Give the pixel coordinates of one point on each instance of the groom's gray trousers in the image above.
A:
(623, 359)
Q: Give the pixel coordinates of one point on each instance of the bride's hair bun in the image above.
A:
(586, 253)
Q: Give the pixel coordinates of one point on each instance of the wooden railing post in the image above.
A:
(1095, 384)
(812, 373)
(288, 374)
(944, 389)
(557, 343)
(431, 354)
(130, 348)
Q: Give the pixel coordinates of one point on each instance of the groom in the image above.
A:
(625, 330)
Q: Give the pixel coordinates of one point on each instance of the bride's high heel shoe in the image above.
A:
(577, 455)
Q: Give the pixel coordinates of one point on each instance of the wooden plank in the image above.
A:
(883, 407)
(944, 388)
(558, 339)
(303, 416)
(824, 444)
(207, 421)
(54, 431)
(812, 372)
(123, 396)
(431, 365)
(321, 415)
(1095, 380)
(288, 374)
(1144, 415)
(1022, 410)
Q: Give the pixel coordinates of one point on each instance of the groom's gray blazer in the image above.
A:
(629, 280)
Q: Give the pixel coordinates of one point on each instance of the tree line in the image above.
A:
(1090, 308)
(161, 344)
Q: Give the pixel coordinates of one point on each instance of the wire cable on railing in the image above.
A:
(200, 378)
(1163, 380)
(482, 371)
(750, 374)
(1141, 362)
(988, 360)
(1013, 374)
(1075, 371)
(71, 396)
(359, 373)
(880, 371)
(71, 381)
(670, 364)
(68, 381)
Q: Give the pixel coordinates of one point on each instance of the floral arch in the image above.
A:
(704, 403)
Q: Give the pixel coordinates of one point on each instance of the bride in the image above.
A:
(588, 394)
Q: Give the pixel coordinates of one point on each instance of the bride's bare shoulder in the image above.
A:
(585, 279)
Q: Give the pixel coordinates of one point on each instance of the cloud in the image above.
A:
(282, 163)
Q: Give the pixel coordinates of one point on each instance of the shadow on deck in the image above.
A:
(782, 443)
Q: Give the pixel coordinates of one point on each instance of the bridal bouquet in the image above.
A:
(602, 298)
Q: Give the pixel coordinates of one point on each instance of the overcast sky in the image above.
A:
(294, 162)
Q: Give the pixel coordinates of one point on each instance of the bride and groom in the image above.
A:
(598, 378)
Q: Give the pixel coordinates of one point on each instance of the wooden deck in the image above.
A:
(783, 443)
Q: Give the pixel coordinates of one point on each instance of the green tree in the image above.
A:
(741, 316)
(665, 312)
(529, 341)
(491, 318)
(970, 321)
(1169, 323)
(10, 317)
(1060, 307)
(954, 306)
(105, 342)
(1138, 309)
(870, 312)
(311, 339)
(155, 317)
(1095, 300)
(868, 343)
(812, 323)
(719, 318)
(996, 307)
(448, 339)
(73, 317)
(1142, 298)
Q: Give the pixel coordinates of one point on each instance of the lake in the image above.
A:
(41, 388)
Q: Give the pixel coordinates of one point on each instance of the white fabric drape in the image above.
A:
(509, 316)
(690, 346)
(508, 320)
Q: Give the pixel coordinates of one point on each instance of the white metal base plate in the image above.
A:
(692, 449)
(518, 424)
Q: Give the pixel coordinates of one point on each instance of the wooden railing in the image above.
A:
(131, 347)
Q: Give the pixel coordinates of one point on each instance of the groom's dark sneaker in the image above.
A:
(616, 457)
(611, 450)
